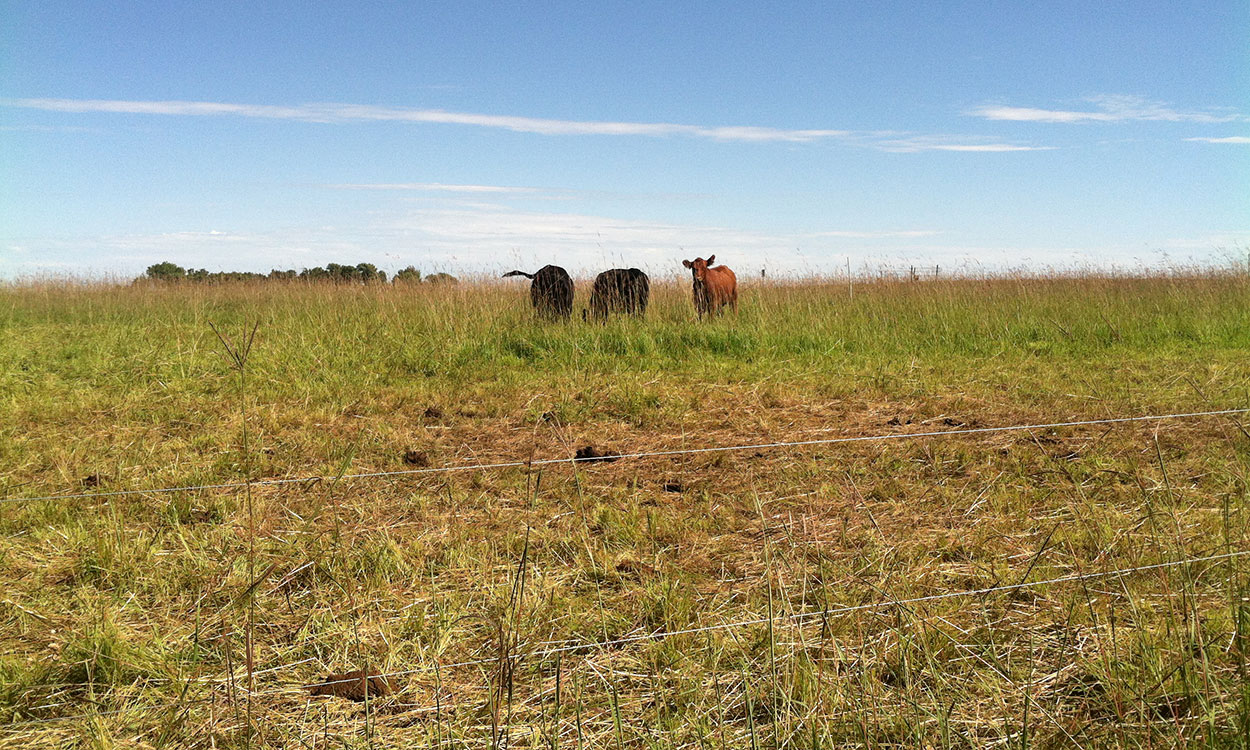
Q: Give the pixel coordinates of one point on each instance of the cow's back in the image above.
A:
(552, 292)
(620, 290)
(725, 284)
(638, 291)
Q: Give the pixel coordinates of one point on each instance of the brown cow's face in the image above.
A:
(698, 267)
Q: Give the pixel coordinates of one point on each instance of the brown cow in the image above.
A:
(713, 287)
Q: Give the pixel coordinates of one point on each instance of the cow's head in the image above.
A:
(698, 267)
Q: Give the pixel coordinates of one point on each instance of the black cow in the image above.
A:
(620, 290)
(551, 293)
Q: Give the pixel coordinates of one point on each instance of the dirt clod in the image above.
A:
(352, 685)
(1171, 707)
(591, 453)
(634, 568)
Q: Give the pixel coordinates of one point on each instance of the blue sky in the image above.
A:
(475, 137)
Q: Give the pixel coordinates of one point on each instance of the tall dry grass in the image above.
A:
(129, 620)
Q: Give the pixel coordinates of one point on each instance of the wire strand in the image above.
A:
(644, 454)
(564, 647)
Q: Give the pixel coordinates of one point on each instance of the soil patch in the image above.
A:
(591, 453)
(353, 685)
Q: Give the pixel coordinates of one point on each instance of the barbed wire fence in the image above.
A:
(547, 649)
(316, 478)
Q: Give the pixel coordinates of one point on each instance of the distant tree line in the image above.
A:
(361, 273)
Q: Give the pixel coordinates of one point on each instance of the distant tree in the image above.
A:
(314, 274)
(368, 273)
(441, 278)
(406, 275)
(165, 271)
(337, 272)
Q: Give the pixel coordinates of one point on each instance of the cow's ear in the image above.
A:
(711, 259)
(686, 263)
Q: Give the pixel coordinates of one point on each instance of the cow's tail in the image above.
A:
(518, 273)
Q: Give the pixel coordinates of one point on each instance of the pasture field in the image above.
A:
(755, 598)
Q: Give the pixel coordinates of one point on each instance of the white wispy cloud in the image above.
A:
(1239, 139)
(458, 238)
(988, 148)
(44, 129)
(498, 228)
(885, 234)
(434, 187)
(919, 143)
(490, 239)
(1106, 108)
(343, 113)
(331, 113)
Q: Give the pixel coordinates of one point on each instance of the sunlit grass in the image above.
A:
(113, 606)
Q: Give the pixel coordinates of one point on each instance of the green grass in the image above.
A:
(124, 618)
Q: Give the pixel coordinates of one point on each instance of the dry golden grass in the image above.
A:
(126, 620)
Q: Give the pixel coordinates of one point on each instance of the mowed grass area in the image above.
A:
(127, 621)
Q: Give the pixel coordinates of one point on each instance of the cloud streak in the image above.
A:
(873, 235)
(356, 113)
(469, 239)
(489, 239)
(917, 144)
(1107, 108)
(436, 187)
(340, 113)
(1239, 139)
